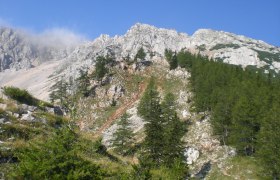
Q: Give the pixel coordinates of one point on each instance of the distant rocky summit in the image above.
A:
(20, 50)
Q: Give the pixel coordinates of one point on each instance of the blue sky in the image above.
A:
(258, 19)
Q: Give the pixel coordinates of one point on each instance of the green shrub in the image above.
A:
(52, 120)
(43, 104)
(23, 96)
(222, 46)
(20, 95)
(17, 131)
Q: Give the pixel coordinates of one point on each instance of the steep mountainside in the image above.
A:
(95, 83)
(219, 45)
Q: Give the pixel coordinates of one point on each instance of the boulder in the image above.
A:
(28, 117)
(55, 110)
(186, 114)
(16, 115)
(192, 155)
(26, 108)
(3, 120)
(115, 91)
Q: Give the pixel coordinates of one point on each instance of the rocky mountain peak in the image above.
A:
(140, 29)
(18, 51)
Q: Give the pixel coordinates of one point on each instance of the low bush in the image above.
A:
(20, 95)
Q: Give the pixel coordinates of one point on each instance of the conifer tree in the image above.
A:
(171, 58)
(100, 67)
(150, 110)
(168, 54)
(244, 126)
(221, 116)
(174, 130)
(83, 83)
(62, 91)
(269, 142)
(59, 91)
(123, 137)
(184, 59)
(140, 54)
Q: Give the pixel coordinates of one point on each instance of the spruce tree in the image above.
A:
(100, 67)
(244, 126)
(150, 110)
(171, 58)
(168, 54)
(59, 91)
(174, 130)
(123, 137)
(269, 142)
(140, 54)
(221, 115)
(83, 83)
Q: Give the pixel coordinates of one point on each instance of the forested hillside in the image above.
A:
(244, 105)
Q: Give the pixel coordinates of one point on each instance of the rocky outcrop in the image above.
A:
(115, 92)
(21, 50)
(192, 155)
(223, 46)
(203, 149)
(15, 52)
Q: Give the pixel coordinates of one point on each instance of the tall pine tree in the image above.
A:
(123, 137)
(269, 142)
(174, 130)
(150, 110)
(83, 83)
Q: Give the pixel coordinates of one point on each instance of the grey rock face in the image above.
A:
(228, 47)
(15, 53)
(20, 50)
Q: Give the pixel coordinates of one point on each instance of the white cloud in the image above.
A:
(54, 37)
(59, 37)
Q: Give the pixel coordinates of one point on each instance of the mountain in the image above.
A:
(219, 45)
(20, 50)
(93, 84)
